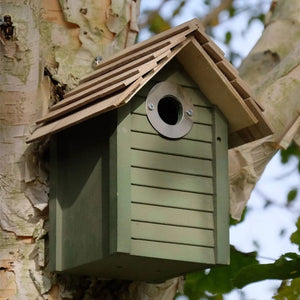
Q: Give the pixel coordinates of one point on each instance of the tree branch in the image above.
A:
(213, 15)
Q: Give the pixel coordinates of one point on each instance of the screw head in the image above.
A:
(190, 112)
(151, 106)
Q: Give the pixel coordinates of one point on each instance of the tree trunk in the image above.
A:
(54, 44)
(273, 72)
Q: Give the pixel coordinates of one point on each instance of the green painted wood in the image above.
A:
(222, 189)
(173, 163)
(178, 147)
(202, 115)
(81, 191)
(174, 72)
(144, 91)
(113, 187)
(138, 105)
(176, 199)
(54, 253)
(172, 234)
(121, 192)
(174, 181)
(197, 97)
(173, 251)
(195, 94)
(171, 216)
(139, 268)
(123, 179)
(198, 132)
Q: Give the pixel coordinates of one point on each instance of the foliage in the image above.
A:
(295, 238)
(220, 280)
(291, 152)
(244, 268)
(163, 14)
(286, 267)
(289, 290)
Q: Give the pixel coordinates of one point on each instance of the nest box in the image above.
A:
(139, 178)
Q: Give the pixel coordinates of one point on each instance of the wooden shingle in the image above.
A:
(118, 79)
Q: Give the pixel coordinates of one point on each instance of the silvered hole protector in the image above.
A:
(169, 110)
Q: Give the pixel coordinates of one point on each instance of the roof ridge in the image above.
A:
(184, 28)
(119, 78)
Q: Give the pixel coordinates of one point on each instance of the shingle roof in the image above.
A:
(118, 79)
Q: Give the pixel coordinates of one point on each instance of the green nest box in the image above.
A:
(139, 166)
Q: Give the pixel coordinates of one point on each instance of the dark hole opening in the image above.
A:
(170, 110)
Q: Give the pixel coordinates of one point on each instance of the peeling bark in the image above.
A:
(272, 69)
(61, 39)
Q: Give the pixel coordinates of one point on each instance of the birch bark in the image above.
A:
(55, 43)
(273, 72)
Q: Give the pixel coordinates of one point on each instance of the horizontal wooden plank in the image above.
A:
(172, 234)
(147, 77)
(179, 31)
(114, 101)
(173, 181)
(162, 46)
(59, 112)
(173, 163)
(176, 199)
(96, 87)
(105, 75)
(82, 115)
(122, 61)
(201, 115)
(146, 58)
(198, 132)
(196, 96)
(171, 216)
(178, 147)
(172, 251)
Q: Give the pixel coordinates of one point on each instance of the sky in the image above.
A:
(264, 230)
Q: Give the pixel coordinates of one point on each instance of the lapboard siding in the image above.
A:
(172, 186)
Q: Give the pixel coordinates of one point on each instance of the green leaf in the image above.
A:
(218, 280)
(292, 195)
(282, 268)
(158, 24)
(295, 237)
(291, 151)
(289, 290)
(232, 11)
(179, 8)
(291, 255)
(260, 17)
(228, 37)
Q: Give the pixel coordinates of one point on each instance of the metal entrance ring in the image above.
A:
(169, 110)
